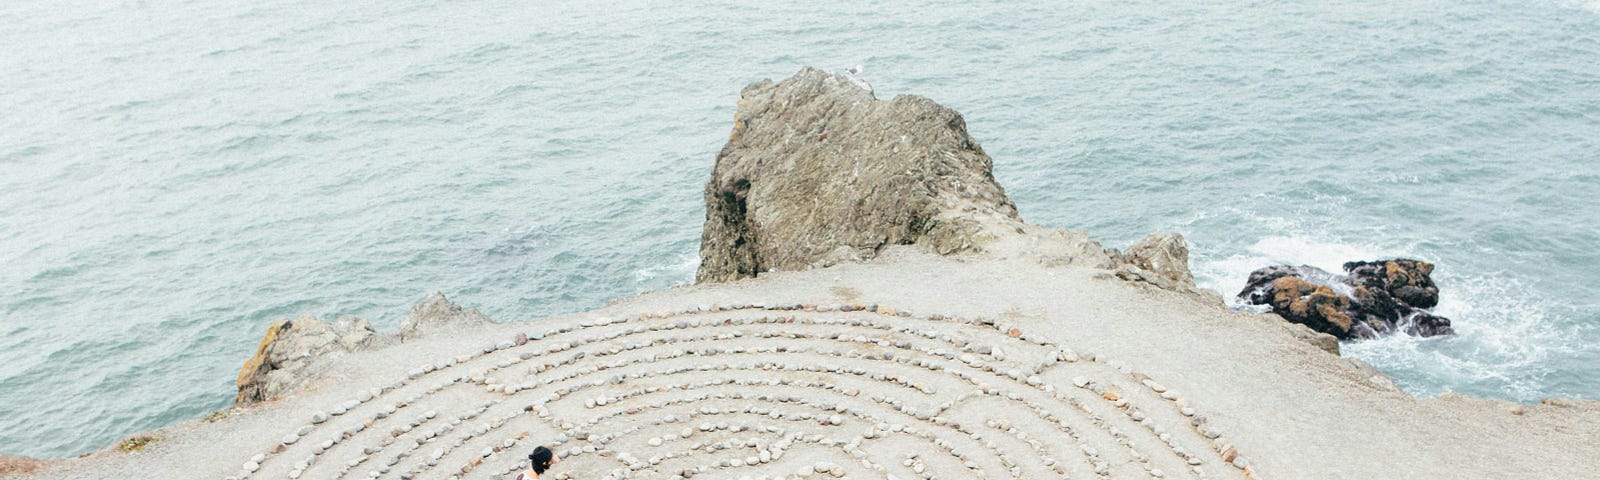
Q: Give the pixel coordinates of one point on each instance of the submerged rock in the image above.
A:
(1369, 300)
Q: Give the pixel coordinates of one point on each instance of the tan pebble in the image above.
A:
(1229, 453)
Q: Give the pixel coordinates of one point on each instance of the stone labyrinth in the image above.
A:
(763, 391)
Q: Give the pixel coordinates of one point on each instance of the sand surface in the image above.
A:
(966, 368)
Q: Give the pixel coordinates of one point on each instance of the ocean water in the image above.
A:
(176, 175)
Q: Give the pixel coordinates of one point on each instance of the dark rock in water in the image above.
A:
(1405, 280)
(1369, 300)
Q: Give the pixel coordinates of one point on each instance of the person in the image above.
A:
(539, 461)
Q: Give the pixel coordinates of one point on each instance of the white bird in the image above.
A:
(855, 77)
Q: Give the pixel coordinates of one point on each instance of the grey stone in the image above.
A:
(287, 357)
(804, 155)
(1166, 256)
(435, 311)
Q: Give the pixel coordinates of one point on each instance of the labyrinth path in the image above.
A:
(763, 391)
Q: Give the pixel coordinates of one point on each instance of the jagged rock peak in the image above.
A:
(1165, 257)
(436, 310)
(818, 171)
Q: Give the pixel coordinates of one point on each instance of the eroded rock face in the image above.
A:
(1371, 299)
(288, 352)
(817, 171)
(293, 353)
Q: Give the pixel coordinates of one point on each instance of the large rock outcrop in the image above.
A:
(437, 311)
(818, 171)
(1369, 300)
(1161, 259)
(294, 353)
(290, 353)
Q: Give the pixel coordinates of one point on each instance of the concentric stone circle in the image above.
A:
(763, 391)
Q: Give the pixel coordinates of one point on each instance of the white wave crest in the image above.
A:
(1508, 339)
(678, 272)
(1228, 274)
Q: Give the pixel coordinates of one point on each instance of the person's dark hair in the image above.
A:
(541, 458)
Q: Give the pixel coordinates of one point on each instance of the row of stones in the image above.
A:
(602, 400)
(1224, 449)
(1199, 423)
(521, 339)
(319, 419)
(1120, 403)
(407, 437)
(828, 416)
(598, 443)
(494, 385)
(934, 366)
(1011, 331)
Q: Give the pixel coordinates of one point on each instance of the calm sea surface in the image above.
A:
(176, 175)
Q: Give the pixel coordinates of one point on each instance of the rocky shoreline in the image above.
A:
(870, 304)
